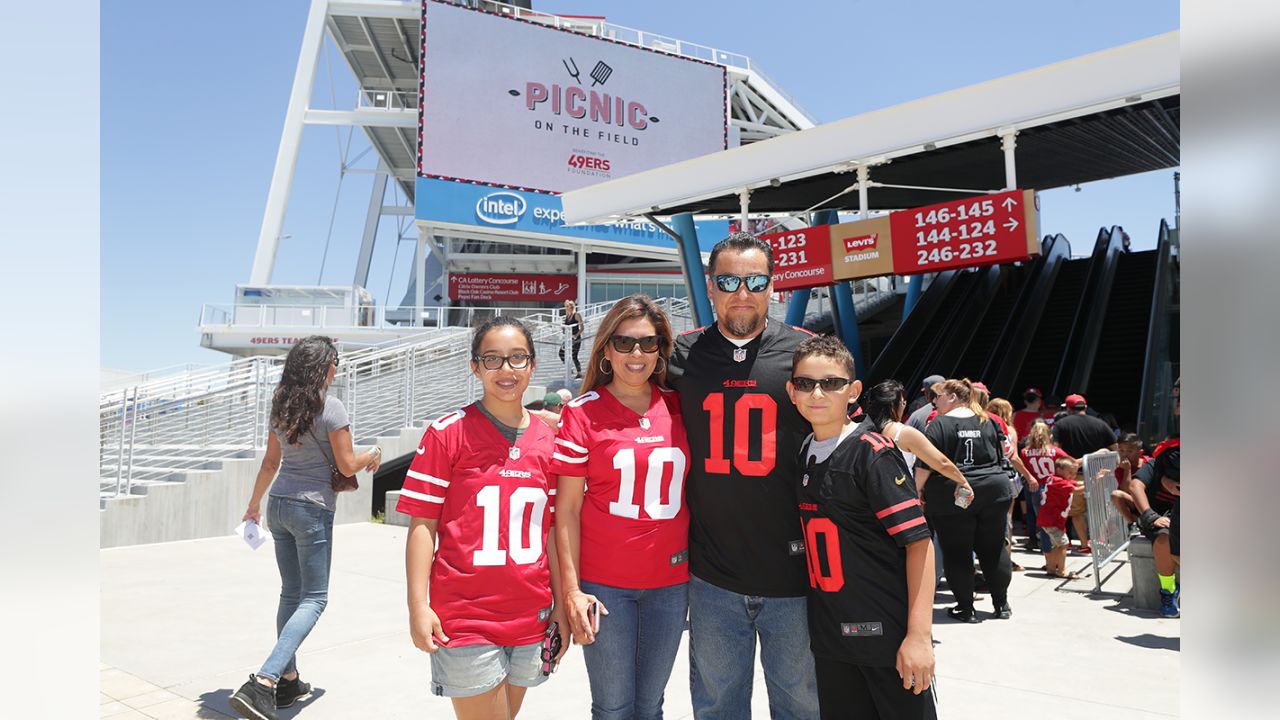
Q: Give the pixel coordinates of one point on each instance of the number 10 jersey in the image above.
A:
(635, 527)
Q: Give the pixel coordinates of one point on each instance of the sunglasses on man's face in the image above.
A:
(828, 384)
(625, 343)
(731, 283)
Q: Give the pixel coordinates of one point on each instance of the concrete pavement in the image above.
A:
(184, 623)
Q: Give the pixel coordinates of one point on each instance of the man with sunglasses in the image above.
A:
(746, 553)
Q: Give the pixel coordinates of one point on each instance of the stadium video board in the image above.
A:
(516, 104)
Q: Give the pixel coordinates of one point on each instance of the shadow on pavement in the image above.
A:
(1155, 642)
(214, 704)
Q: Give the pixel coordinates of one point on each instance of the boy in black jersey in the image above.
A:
(869, 552)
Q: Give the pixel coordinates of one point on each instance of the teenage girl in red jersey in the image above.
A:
(481, 501)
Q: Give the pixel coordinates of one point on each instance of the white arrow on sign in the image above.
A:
(1011, 225)
(1009, 203)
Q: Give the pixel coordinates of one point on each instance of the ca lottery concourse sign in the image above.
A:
(520, 105)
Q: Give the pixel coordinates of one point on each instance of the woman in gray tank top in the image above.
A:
(308, 429)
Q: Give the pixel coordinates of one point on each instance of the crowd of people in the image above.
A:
(737, 478)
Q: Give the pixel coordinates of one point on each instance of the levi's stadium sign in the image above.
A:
(987, 230)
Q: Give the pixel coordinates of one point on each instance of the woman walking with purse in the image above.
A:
(310, 440)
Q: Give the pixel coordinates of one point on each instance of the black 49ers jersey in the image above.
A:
(859, 510)
(744, 441)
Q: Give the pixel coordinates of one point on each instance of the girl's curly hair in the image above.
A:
(299, 397)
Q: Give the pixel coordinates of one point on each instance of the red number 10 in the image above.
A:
(829, 547)
(719, 460)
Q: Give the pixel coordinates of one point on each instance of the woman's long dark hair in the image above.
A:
(299, 397)
(880, 403)
(631, 307)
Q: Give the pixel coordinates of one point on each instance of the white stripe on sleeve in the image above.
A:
(566, 458)
(428, 478)
(571, 446)
(420, 496)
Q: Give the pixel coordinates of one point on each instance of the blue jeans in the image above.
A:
(630, 662)
(1033, 509)
(303, 535)
(723, 626)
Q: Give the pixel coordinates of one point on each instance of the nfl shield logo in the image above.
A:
(644, 423)
(739, 354)
(514, 453)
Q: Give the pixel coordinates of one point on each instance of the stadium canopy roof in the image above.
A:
(1103, 115)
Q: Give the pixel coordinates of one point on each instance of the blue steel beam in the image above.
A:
(695, 277)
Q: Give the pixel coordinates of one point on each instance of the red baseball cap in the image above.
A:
(1075, 401)
(980, 386)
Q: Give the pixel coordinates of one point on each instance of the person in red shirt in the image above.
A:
(1132, 458)
(1053, 516)
(622, 525)
(480, 566)
(1033, 409)
(1040, 456)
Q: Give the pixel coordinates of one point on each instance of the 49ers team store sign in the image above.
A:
(517, 104)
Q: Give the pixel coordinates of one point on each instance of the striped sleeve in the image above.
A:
(569, 455)
(427, 481)
(891, 493)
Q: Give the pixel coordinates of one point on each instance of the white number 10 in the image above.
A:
(625, 463)
(524, 547)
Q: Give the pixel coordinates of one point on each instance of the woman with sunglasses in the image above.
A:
(622, 526)
(308, 430)
(481, 569)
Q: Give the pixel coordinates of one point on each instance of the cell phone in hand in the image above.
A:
(551, 644)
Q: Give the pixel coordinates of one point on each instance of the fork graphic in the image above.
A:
(573, 72)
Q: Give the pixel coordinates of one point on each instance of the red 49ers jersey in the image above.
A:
(1042, 462)
(490, 581)
(635, 526)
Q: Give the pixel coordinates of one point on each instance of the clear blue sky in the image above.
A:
(194, 96)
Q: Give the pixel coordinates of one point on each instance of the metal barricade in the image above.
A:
(1108, 531)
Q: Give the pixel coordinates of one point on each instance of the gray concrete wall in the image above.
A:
(210, 503)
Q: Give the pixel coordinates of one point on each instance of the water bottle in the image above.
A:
(964, 497)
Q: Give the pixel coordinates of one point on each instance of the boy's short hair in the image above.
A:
(1066, 463)
(827, 346)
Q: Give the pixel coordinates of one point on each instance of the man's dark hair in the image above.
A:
(740, 242)
(1130, 439)
(827, 346)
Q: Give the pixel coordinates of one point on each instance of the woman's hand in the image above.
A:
(915, 663)
(1032, 485)
(964, 484)
(576, 606)
(562, 625)
(254, 514)
(376, 462)
(425, 628)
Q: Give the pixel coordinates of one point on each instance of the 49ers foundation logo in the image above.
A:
(586, 162)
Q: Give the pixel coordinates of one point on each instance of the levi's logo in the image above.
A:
(861, 242)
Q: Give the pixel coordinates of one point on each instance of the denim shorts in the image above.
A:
(1057, 537)
(473, 670)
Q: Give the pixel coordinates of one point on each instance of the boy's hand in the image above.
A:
(915, 663)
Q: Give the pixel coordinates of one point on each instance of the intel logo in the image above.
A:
(500, 208)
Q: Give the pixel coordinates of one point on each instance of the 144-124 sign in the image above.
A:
(963, 233)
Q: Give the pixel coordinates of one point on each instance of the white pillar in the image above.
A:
(371, 225)
(744, 201)
(582, 277)
(864, 177)
(420, 270)
(1007, 144)
(264, 260)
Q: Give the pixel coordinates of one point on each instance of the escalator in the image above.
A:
(919, 330)
(1044, 358)
(1002, 310)
(1115, 376)
(972, 295)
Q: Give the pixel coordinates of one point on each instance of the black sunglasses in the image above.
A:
(625, 343)
(517, 361)
(828, 384)
(731, 283)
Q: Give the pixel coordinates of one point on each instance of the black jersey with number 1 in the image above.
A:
(744, 439)
(860, 510)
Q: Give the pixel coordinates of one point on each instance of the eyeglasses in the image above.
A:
(731, 283)
(625, 343)
(336, 360)
(517, 361)
(828, 384)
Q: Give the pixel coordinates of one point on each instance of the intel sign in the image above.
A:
(500, 208)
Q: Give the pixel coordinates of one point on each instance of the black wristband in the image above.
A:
(1148, 518)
